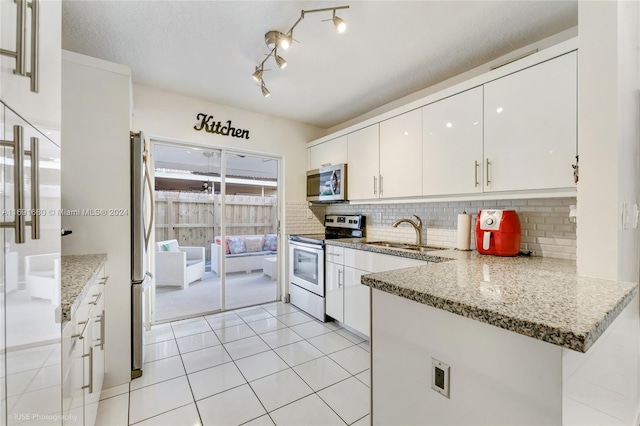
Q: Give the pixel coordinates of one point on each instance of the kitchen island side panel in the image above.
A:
(496, 377)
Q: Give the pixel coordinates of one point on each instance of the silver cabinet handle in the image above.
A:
(381, 185)
(104, 280)
(35, 189)
(18, 176)
(488, 178)
(17, 144)
(35, 45)
(101, 338)
(339, 278)
(21, 41)
(97, 296)
(90, 355)
(103, 328)
(375, 185)
(476, 173)
(21, 36)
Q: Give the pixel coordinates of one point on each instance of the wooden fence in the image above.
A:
(194, 219)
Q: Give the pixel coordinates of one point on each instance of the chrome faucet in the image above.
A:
(416, 225)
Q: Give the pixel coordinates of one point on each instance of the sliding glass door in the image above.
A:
(250, 212)
(216, 239)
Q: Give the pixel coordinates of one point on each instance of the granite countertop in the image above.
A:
(538, 297)
(77, 272)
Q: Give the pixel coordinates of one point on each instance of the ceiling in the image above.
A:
(209, 49)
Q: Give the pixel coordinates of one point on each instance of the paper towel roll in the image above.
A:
(464, 232)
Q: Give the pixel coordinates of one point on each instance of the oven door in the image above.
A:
(306, 266)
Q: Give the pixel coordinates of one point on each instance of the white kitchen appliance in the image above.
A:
(306, 261)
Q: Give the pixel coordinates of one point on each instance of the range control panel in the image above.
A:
(344, 221)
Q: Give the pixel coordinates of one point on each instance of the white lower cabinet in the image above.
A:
(356, 300)
(83, 357)
(347, 300)
(334, 283)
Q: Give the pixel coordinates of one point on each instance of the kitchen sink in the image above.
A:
(403, 246)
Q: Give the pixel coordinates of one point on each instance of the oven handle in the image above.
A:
(317, 247)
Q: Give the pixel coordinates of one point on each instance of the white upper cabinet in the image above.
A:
(452, 145)
(530, 127)
(401, 156)
(512, 129)
(363, 165)
(41, 108)
(328, 153)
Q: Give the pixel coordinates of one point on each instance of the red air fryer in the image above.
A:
(498, 232)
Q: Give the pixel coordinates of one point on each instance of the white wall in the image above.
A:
(160, 114)
(608, 82)
(95, 175)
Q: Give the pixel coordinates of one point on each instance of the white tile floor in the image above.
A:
(256, 366)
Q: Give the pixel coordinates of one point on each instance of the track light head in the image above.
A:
(279, 59)
(257, 75)
(340, 25)
(265, 91)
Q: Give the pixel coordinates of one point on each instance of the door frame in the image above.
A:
(178, 143)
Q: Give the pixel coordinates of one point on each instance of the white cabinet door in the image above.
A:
(94, 354)
(401, 155)
(530, 127)
(43, 107)
(72, 375)
(363, 165)
(452, 145)
(356, 301)
(328, 153)
(334, 283)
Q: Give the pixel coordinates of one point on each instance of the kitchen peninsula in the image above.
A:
(538, 330)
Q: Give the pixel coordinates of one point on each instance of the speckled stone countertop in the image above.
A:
(538, 297)
(77, 272)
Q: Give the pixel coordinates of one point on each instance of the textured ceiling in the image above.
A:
(208, 49)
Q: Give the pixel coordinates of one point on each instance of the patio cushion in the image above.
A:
(270, 242)
(236, 245)
(253, 243)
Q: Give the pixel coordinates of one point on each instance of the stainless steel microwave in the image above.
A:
(327, 184)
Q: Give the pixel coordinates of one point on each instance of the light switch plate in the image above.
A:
(440, 375)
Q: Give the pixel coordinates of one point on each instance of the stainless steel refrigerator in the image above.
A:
(142, 207)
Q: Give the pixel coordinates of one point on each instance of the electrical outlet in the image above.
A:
(440, 375)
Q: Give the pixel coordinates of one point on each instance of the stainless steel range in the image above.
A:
(306, 261)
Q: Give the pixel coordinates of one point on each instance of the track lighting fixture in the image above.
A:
(265, 91)
(257, 75)
(339, 23)
(276, 39)
(279, 59)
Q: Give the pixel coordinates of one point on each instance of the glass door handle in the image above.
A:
(17, 144)
(18, 181)
(34, 153)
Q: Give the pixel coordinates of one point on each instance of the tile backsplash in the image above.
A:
(546, 230)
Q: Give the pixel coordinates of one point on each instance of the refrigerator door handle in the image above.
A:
(147, 234)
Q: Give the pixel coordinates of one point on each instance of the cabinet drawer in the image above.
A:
(335, 254)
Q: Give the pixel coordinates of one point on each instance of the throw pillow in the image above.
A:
(253, 243)
(218, 241)
(236, 245)
(170, 246)
(270, 242)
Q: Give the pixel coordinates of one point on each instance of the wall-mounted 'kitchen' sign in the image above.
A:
(208, 124)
